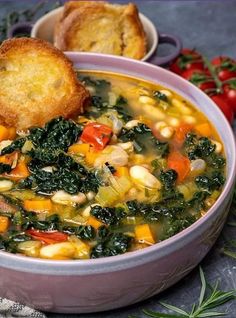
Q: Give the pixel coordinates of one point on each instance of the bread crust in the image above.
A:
(37, 84)
(101, 27)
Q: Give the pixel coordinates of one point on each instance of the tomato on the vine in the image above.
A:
(229, 89)
(200, 79)
(221, 102)
(188, 59)
(225, 67)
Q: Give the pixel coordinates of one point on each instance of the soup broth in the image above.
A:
(138, 166)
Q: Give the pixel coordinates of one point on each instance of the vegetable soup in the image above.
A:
(138, 166)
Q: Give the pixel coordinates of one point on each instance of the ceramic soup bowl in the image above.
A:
(82, 286)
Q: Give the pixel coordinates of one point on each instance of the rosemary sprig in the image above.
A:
(209, 299)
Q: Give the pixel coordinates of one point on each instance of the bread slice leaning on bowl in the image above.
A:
(91, 26)
(37, 84)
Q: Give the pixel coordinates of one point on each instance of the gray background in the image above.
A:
(210, 27)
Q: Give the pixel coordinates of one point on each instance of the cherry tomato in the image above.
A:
(221, 102)
(188, 59)
(225, 67)
(200, 79)
(230, 93)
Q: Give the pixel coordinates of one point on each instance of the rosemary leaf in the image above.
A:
(209, 298)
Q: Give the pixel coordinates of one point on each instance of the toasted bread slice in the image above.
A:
(37, 83)
(92, 26)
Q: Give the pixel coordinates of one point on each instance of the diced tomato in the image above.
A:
(48, 237)
(180, 133)
(97, 135)
(180, 164)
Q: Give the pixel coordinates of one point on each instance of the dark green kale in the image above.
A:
(171, 205)
(111, 245)
(109, 216)
(197, 203)
(198, 147)
(9, 243)
(174, 226)
(100, 85)
(15, 145)
(121, 106)
(160, 96)
(27, 220)
(5, 168)
(216, 161)
(85, 232)
(210, 182)
(102, 231)
(168, 178)
(58, 134)
(143, 139)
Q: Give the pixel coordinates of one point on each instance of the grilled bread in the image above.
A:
(37, 83)
(92, 26)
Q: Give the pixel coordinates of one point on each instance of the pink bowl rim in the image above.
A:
(146, 255)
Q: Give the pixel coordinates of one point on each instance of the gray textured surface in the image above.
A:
(210, 27)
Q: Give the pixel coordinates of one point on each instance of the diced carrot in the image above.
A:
(204, 129)
(144, 234)
(121, 171)
(180, 133)
(94, 222)
(38, 205)
(4, 223)
(179, 163)
(3, 133)
(48, 237)
(79, 148)
(19, 172)
(11, 133)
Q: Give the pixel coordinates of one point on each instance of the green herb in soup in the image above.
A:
(140, 165)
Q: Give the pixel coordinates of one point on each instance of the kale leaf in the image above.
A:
(211, 182)
(109, 216)
(143, 139)
(168, 178)
(111, 245)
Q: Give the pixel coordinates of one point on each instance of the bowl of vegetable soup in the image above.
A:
(119, 203)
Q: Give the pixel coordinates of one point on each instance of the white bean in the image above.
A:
(189, 119)
(167, 132)
(181, 106)
(5, 185)
(62, 197)
(63, 250)
(143, 177)
(90, 195)
(174, 122)
(127, 146)
(147, 100)
(197, 166)
(155, 112)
